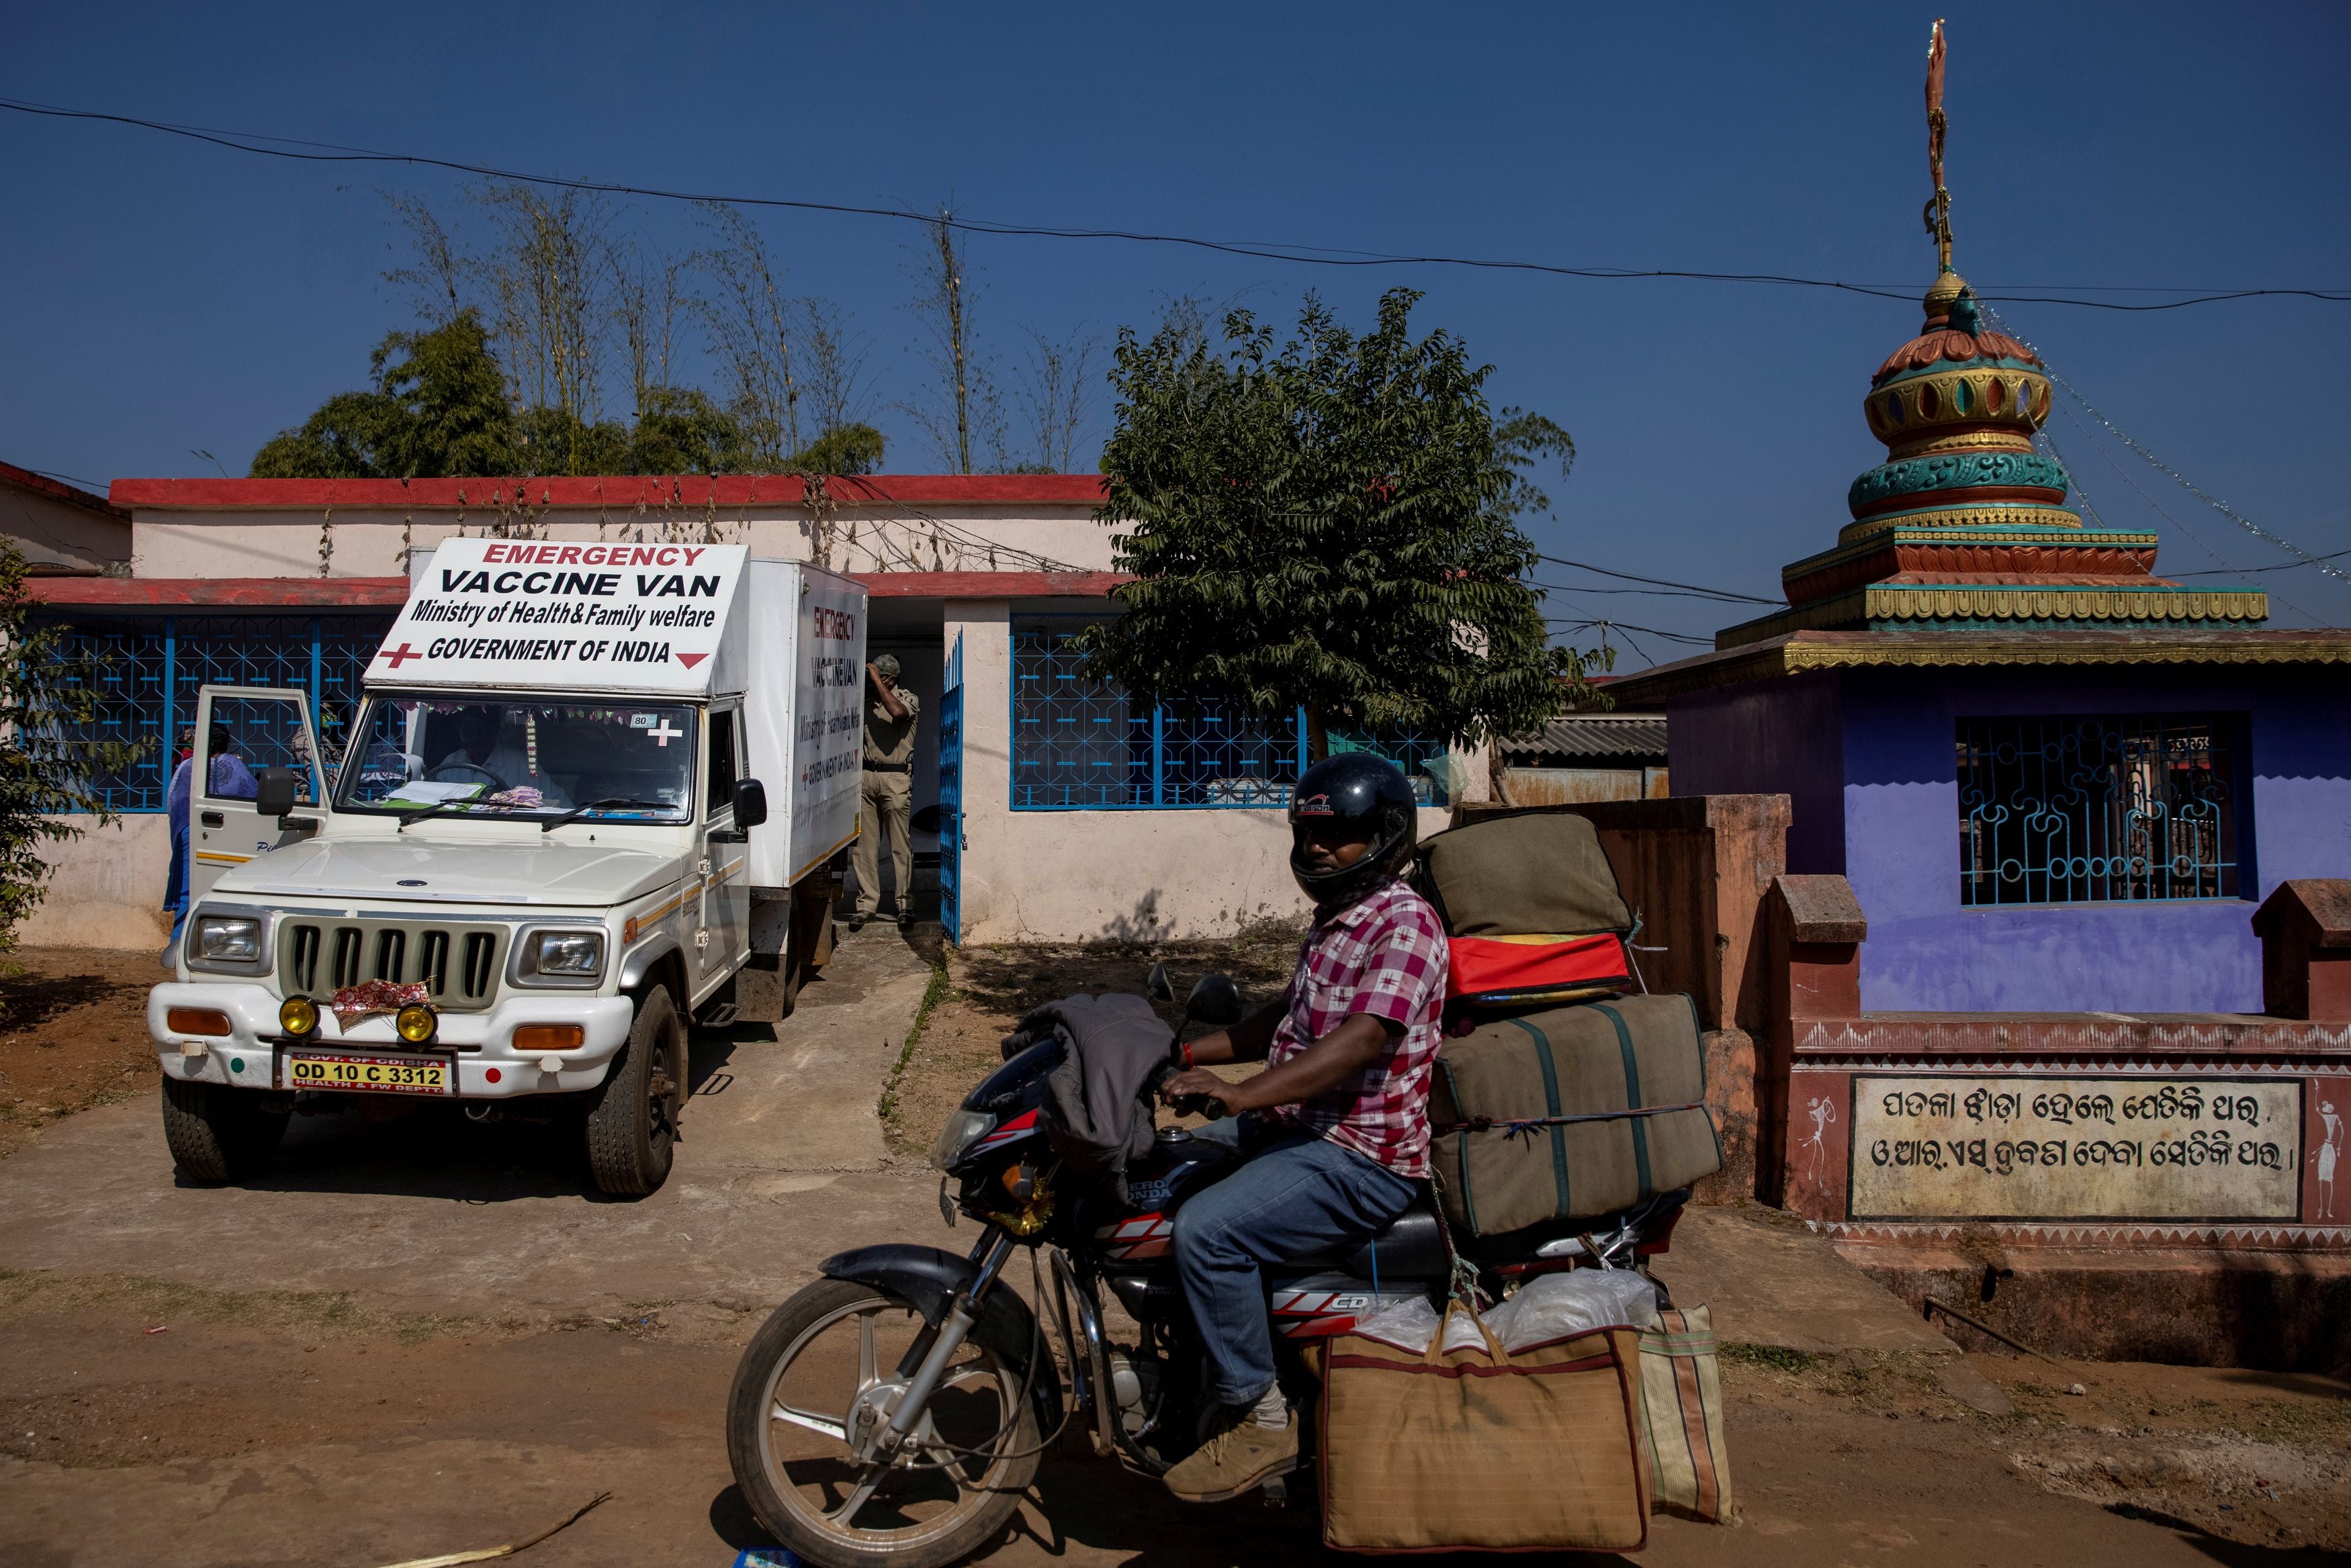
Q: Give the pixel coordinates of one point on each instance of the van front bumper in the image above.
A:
(486, 1065)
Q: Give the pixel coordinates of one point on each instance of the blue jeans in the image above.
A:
(1296, 1196)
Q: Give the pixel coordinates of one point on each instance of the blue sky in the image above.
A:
(163, 297)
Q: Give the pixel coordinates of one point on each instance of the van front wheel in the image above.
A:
(631, 1131)
(218, 1134)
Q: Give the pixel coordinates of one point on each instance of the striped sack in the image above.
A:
(1681, 1382)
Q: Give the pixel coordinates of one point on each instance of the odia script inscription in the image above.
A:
(2075, 1149)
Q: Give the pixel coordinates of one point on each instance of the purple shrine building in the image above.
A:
(2054, 780)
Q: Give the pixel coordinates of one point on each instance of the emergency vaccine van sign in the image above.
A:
(527, 613)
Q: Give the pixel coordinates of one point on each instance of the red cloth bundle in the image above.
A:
(1494, 970)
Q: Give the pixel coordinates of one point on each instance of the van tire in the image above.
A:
(218, 1134)
(632, 1128)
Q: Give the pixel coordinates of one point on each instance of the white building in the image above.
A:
(1083, 816)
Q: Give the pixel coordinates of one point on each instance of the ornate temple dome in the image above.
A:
(1964, 525)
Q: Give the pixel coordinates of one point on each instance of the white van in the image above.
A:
(593, 791)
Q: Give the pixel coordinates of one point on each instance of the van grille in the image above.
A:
(457, 965)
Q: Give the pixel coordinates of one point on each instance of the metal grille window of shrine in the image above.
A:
(1080, 745)
(2093, 810)
(148, 669)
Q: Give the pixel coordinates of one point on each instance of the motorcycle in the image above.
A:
(895, 1411)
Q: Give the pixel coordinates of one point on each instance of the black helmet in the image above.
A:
(1368, 793)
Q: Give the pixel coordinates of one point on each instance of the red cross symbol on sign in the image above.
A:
(401, 655)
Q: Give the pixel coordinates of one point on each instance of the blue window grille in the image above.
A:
(1081, 745)
(148, 669)
(2090, 810)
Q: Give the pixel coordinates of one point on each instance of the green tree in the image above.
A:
(438, 409)
(47, 693)
(844, 448)
(1331, 524)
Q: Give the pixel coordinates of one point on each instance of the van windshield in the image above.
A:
(496, 755)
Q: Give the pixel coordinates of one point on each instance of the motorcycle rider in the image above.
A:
(1336, 1131)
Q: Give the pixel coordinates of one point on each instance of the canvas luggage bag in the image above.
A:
(1570, 1114)
(1681, 1384)
(1525, 1450)
(1532, 909)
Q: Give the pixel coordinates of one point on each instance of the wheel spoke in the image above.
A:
(846, 1515)
(832, 1427)
(866, 1368)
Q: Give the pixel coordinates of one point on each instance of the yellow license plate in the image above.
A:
(375, 1074)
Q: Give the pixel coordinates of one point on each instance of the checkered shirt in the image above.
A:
(1385, 956)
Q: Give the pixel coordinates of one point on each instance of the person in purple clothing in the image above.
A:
(229, 779)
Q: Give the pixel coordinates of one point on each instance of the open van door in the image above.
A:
(264, 728)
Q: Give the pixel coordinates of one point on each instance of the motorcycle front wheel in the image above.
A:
(831, 1351)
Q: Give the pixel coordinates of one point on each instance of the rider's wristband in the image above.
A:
(1187, 1053)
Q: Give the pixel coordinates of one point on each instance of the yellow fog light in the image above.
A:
(298, 1016)
(415, 1022)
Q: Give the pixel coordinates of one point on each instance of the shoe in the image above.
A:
(1242, 1456)
(857, 922)
(905, 922)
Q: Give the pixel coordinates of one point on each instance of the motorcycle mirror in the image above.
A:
(1216, 1000)
(1158, 986)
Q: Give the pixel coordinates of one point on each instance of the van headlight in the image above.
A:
(227, 939)
(565, 956)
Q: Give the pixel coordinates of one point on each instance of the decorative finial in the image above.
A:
(1938, 208)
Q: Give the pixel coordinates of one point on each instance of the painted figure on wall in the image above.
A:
(2328, 1151)
(1824, 1113)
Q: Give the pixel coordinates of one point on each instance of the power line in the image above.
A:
(1660, 582)
(1653, 632)
(1306, 256)
(2280, 566)
(1706, 596)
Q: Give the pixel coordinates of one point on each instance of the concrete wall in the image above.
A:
(1576, 786)
(1768, 737)
(106, 887)
(1926, 953)
(58, 535)
(1869, 758)
(270, 543)
(1099, 876)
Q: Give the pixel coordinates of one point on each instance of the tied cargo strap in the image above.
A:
(1524, 1127)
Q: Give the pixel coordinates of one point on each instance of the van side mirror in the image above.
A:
(750, 803)
(1216, 1000)
(274, 790)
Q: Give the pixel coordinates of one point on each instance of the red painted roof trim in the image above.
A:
(234, 593)
(615, 490)
(347, 593)
(56, 489)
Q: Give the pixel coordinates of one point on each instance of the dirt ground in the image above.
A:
(986, 991)
(145, 1419)
(336, 1410)
(73, 1035)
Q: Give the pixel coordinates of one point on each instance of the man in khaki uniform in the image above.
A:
(886, 793)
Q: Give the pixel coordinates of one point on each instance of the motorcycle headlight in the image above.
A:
(964, 1129)
(571, 955)
(228, 938)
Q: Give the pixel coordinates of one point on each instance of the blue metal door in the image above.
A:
(951, 796)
